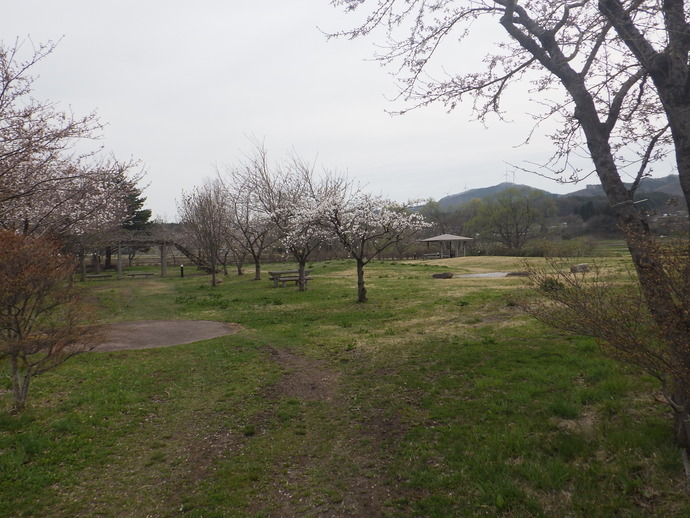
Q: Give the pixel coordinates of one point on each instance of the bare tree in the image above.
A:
(443, 220)
(42, 320)
(615, 73)
(204, 215)
(251, 230)
(510, 217)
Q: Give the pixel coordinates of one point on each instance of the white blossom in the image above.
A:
(46, 186)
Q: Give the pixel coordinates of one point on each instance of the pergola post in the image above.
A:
(119, 260)
(164, 263)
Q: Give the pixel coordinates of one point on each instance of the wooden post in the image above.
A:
(164, 264)
(119, 260)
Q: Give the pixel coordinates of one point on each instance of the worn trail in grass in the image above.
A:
(330, 469)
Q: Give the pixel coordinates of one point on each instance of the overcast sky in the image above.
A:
(183, 84)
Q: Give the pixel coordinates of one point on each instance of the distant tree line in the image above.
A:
(507, 221)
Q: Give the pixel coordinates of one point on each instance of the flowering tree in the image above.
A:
(290, 195)
(45, 185)
(42, 320)
(70, 199)
(366, 225)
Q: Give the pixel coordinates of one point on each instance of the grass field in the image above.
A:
(435, 398)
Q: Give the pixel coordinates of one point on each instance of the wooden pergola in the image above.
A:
(162, 244)
(447, 241)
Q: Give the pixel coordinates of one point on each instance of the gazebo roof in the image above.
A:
(446, 237)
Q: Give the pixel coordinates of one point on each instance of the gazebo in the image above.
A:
(450, 239)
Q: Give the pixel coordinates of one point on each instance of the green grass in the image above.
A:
(441, 399)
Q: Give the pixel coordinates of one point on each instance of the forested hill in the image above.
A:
(669, 185)
(454, 200)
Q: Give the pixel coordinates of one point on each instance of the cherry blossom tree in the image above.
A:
(46, 185)
(366, 224)
(290, 194)
(71, 199)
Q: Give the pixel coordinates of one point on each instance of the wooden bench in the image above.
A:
(283, 276)
(97, 276)
(139, 274)
(291, 278)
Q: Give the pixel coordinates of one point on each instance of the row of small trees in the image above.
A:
(247, 208)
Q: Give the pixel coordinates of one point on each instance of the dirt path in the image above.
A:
(305, 379)
(341, 476)
(348, 472)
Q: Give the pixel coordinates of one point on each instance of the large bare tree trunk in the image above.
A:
(670, 314)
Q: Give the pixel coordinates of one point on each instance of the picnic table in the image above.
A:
(283, 276)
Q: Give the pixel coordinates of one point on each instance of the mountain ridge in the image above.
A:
(669, 185)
